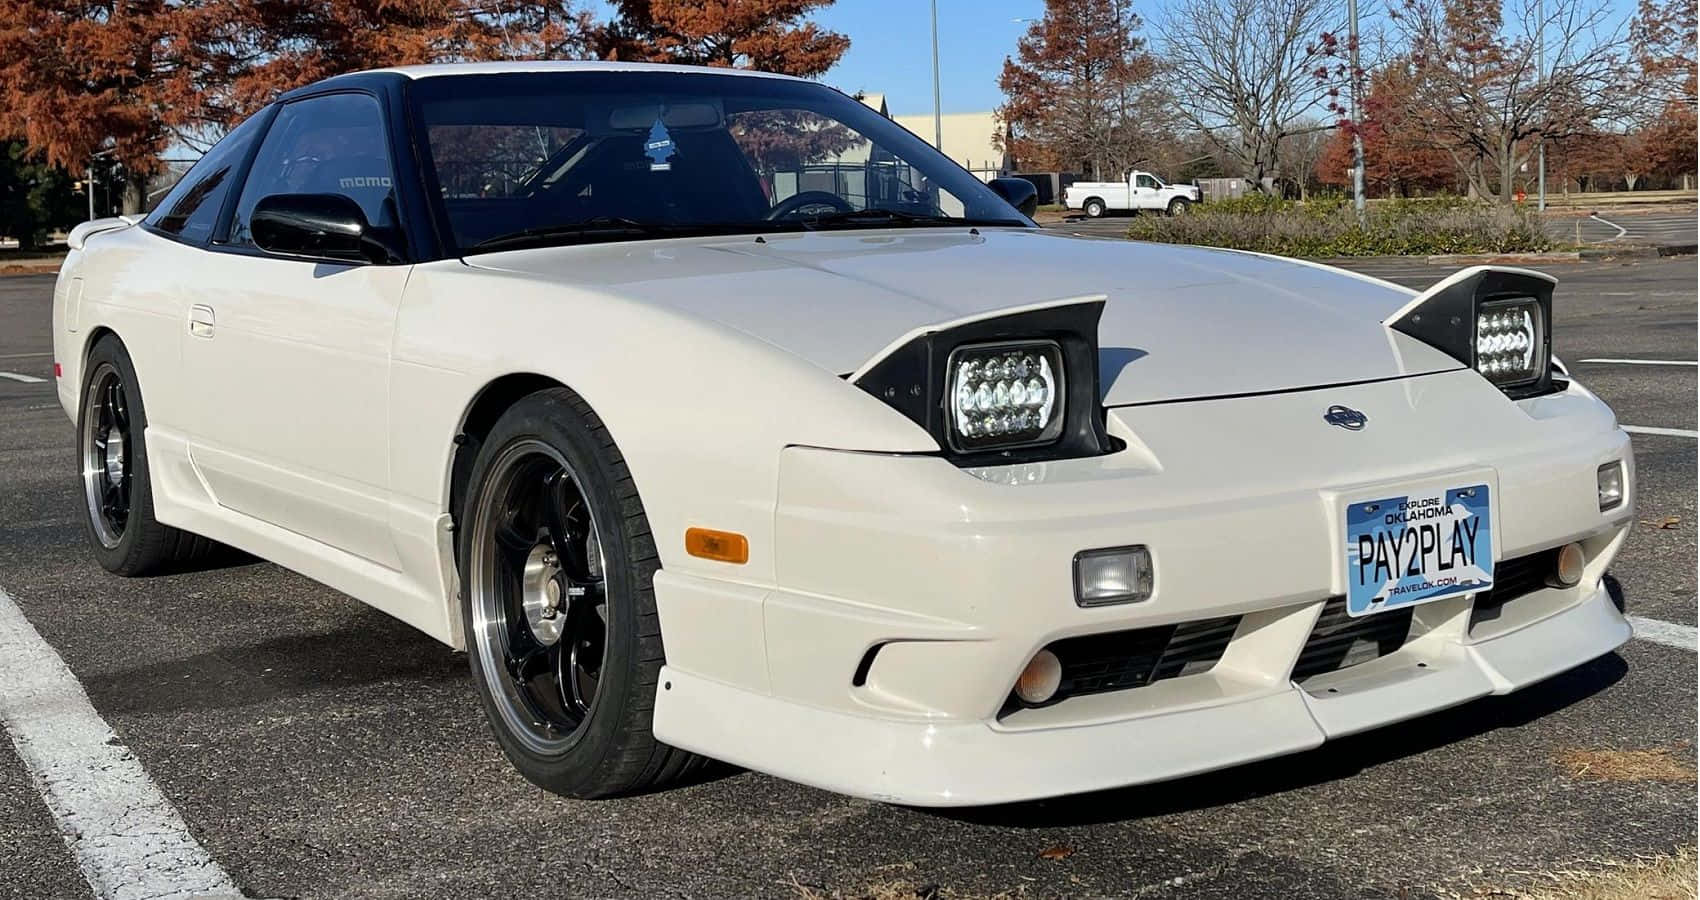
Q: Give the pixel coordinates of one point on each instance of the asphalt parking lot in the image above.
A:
(316, 748)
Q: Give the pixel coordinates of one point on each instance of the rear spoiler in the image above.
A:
(80, 234)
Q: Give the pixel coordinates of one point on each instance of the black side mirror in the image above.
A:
(1020, 193)
(319, 226)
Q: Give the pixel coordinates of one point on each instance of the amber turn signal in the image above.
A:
(725, 546)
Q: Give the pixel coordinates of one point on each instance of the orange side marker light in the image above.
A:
(725, 546)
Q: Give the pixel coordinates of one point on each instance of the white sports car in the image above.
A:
(715, 415)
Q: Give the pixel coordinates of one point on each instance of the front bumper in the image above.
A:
(911, 593)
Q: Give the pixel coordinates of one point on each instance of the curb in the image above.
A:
(1452, 258)
(1639, 252)
(42, 268)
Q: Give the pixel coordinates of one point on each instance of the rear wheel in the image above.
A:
(557, 562)
(117, 492)
(1094, 208)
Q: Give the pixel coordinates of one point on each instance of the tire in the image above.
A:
(573, 716)
(1178, 206)
(115, 476)
(1094, 208)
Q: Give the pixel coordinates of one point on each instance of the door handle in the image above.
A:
(201, 321)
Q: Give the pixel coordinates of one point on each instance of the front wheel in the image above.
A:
(1179, 206)
(1094, 209)
(557, 564)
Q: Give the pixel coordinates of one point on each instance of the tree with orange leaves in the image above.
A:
(1399, 156)
(128, 78)
(770, 35)
(1080, 93)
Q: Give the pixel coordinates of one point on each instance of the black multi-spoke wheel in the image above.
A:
(113, 467)
(540, 622)
(107, 469)
(560, 617)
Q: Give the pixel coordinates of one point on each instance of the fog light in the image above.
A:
(1611, 485)
(1040, 680)
(1568, 570)
(1112, 575)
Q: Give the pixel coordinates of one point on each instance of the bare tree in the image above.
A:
(1300, 151)
(1480, 93)
(1243, 71)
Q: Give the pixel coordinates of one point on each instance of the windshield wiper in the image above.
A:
(597, 226)
(877, 216)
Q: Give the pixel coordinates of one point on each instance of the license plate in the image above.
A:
(1401, 551)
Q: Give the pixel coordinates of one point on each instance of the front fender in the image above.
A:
(701, 412)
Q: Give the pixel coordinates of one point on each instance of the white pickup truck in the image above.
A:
(1141, 191)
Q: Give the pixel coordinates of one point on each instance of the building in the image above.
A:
(969, 138)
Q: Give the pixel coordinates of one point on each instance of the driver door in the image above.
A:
(289, 358)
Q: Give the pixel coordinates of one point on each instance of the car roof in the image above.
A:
(438, 70)
(377, 79)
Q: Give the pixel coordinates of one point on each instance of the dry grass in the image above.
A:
(1660, 878)
(1659, 764)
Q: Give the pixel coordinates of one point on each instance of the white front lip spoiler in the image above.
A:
(974, 763)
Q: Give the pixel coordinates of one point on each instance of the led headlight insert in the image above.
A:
(1510, 341)
(1005, 395)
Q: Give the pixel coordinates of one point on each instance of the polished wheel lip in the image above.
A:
(108, 454)
(543, 674)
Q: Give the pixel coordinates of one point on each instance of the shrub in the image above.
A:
(1330, 227)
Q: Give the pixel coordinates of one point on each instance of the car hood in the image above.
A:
(1179, 322)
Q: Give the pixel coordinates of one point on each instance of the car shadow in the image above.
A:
(1111, 362)
(1337, 759)
(369, 649)
(220, 556)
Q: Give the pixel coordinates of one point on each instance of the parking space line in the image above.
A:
(128, 840)
(26, 379)
(1621, 231)
(1645, 362)
(1667, 432)
(1670, 634)
(23, 355)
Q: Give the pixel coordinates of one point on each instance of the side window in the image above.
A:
(191, 209)
(1145, 181)
(335, 144)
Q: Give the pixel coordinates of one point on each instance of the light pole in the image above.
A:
(1357, 133)
(1541, 70)
(938, 114)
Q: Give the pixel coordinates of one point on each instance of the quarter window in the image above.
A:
(191, 209)
(332, 144)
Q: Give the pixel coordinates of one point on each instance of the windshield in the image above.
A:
(552, 158)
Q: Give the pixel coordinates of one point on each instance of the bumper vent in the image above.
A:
(1118, 660)
(1513, 578)
(1339, 641)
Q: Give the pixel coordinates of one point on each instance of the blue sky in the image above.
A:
(891, 50)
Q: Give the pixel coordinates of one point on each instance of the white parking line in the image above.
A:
(1670, 634)
(128, 840)
(1667, 432)
(23, 355)
(1645, 362)
(26, 379)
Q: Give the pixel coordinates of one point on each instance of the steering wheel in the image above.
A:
(817, 202)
